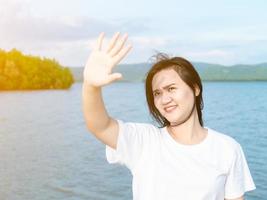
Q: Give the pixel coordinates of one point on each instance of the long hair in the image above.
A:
(187, 73)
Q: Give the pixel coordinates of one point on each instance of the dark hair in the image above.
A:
(187, 73)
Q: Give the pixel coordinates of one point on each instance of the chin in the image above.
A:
(177, 119)
(174, 117)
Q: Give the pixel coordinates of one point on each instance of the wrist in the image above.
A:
(89, 86)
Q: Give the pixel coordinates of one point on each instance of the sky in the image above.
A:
(224, 32)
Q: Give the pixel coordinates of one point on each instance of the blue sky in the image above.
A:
(224, 32)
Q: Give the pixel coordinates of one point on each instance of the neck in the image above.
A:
(189, 132)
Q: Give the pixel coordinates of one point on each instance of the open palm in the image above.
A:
(98, 69)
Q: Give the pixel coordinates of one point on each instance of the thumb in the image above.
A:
(115, 76)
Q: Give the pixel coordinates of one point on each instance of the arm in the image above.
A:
(97, 119)
(97, 73)
(240, 198)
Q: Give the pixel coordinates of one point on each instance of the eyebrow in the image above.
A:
(164, 87)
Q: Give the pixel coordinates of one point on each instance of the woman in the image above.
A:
(181, 159)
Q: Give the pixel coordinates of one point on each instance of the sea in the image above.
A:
(47, 153)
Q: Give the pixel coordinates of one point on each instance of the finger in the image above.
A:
(122, 54)
(99, 41)
(113, 41)
(118, 45)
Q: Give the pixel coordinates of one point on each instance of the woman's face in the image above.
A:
(173, 98)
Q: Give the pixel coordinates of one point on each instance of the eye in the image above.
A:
(171, 88)
(156, 94)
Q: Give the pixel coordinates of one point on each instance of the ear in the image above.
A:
(197, 90)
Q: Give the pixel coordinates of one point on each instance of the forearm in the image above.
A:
(98, 73)
(95, 113)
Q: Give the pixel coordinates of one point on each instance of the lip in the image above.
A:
(171, 108)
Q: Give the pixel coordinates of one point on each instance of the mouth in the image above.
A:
(169, 108)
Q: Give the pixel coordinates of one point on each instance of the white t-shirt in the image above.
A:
(164, 169)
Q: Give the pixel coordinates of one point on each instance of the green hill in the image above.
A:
(207, 72)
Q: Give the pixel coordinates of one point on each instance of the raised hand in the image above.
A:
(98, 69)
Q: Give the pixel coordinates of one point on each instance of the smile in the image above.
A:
(170, 108)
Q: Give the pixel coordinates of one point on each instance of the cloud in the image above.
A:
(214, 55)
(21, 24)
(66, 38)
(149, 41)
(69, 38)
(29, 28)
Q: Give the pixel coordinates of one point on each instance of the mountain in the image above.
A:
(208, 72)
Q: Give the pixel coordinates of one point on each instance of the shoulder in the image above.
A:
(139, 133)
(226, 147)
(136, 125)
(225, 142)
(223, 138)
(143, 129)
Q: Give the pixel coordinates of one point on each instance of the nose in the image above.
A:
(165, 98)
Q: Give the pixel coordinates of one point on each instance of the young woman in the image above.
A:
(179, 160)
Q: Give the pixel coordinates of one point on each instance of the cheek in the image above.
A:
(156, 103)
(186, 96)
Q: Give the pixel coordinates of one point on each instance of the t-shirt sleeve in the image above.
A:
(133, 138)
(239, 179)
